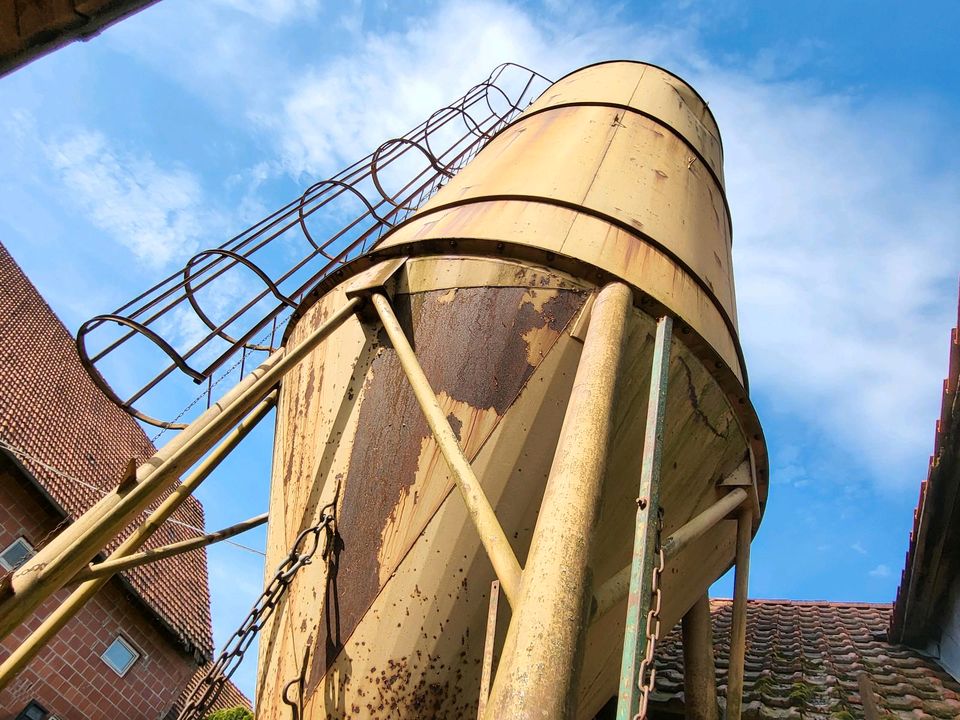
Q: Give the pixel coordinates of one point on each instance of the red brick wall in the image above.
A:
(68, 677)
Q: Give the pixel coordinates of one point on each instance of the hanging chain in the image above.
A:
(208, 689)
(647, 676)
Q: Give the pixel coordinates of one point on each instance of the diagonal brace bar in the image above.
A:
(53, 623)
(645, 537)
(617, 587)
(111, 567)
(494, 540)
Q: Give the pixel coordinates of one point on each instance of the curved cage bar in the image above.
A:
(231, 301)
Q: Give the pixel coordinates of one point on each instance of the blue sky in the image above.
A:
(176, 129)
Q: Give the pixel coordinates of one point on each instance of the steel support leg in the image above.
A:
(539, 667)
(699, 668)
(738, 627)
(631, 699)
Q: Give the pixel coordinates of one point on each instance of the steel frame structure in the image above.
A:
(254, 324)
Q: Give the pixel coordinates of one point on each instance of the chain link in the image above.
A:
(647, 675)
(208, 689)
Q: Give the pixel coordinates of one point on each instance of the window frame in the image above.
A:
(32, 705)
(21, 540)
(129, 646)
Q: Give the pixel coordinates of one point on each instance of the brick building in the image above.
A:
(132, 651)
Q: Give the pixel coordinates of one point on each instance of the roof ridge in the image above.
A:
(816, 603)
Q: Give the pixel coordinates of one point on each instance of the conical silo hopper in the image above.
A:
(543, 362)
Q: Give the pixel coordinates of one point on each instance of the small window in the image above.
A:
(33, 711)
(120, 656)
(16, 554)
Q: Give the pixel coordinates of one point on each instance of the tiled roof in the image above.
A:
(931, 564)
(804, 661)
(52, 412)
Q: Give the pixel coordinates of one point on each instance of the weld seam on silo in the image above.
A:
(492, 536)
(696, 93)
(649, 116)
(609, 219)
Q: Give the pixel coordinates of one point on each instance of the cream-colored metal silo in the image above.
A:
(544, 361)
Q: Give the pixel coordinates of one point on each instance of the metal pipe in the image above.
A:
(703, 522)
(540, 668)
(111, 567)
(646, 532)
(611, 592)
(49, 570)
(617, 587)
(738, 626)
(69, 536)
(699, 667)
(494, 540)
(52, 624)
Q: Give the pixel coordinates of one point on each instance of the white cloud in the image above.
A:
(345, 109)
(880, 571)
(273, 11)
(155, 212)
(858, 548)
(846, 259)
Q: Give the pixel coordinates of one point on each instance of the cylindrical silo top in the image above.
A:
(648, 90)
(617, 168)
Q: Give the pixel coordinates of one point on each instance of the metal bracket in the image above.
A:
(487, 671)
(381, 278)
(581, 323)
(296, 705)
(745, 476)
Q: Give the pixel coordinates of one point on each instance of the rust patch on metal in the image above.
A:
(456, 424)
(472, 348)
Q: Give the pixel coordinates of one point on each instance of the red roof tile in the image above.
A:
(54, 415)
(804, 659)
(230, 696)
(930, 564)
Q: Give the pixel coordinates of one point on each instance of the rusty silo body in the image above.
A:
(491, 403)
